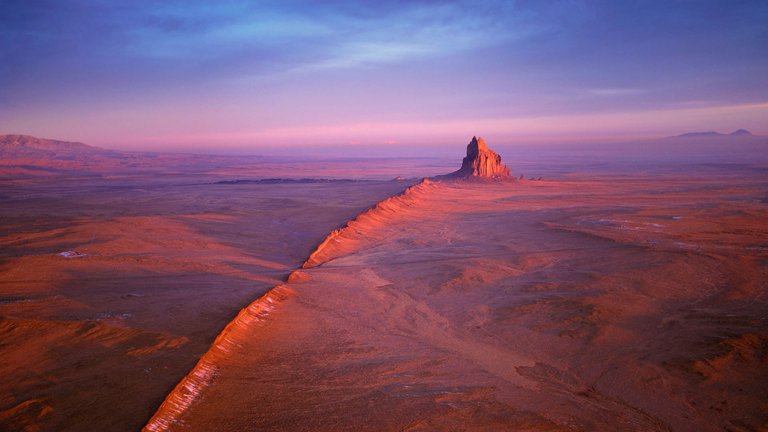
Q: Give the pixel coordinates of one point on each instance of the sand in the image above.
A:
(607, 296)
(112, 289)
(615, 303)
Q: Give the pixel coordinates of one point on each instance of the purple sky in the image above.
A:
(255, 76)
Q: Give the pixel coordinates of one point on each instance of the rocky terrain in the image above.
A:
(609, 295)
(480, 162)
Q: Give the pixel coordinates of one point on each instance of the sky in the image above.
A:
(250, 76)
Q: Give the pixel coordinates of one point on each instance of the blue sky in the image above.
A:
(250, 75)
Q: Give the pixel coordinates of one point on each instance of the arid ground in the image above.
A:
(601, 297)
(113, 281)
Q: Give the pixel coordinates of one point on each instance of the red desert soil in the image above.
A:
(614, 295)
(112, 288)
(602, 303)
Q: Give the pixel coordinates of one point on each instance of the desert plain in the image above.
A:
(193, 293)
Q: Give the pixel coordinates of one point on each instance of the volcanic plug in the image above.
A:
(481, 162)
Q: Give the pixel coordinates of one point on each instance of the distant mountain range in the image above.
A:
(28, 156)
(25, 145)
(740, 132)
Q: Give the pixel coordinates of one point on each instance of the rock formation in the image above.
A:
(481, 162)
(741, 132)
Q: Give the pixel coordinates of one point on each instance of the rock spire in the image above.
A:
(481, 162)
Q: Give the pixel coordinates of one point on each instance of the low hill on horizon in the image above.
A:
(27, 146)
(28, 156)
(741, 147)
(738, 132)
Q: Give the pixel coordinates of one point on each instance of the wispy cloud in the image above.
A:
(165, 35)
(421, 32)
(616, 91)
(314, 38)
(181, 67)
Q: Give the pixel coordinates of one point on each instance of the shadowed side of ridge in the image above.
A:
(191, 387)
(342, 239)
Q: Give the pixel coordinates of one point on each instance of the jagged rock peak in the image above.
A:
(476, 145)
(481, 162)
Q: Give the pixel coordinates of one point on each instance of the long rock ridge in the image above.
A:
(339, 239)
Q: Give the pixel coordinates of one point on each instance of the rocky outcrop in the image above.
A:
(191, 387)
(481, 162)
(341, 240)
